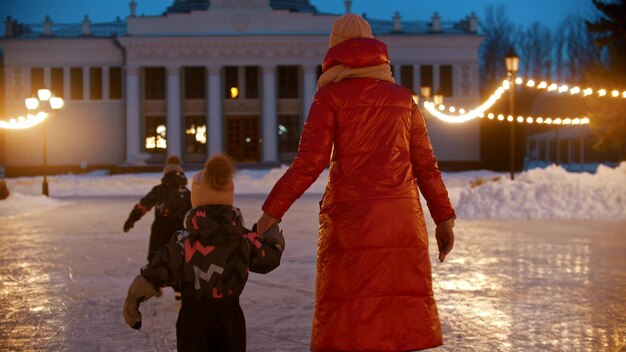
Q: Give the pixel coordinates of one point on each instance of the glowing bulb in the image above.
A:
(161, 129)
(234, 92)
(530, 83)
(552, 87)
(56, 103)
(549, 121)
(615, 94)
(519, 80)
(462, 112)
(624, 94)
(520, 119)
(602, 92)
(442, 107)
(509, 118)
(529, 120)
(44, 94)
(567, 121)
(563, 88)
(587, 91)
(490, 116)
(574, 90)
(539, 120)
(452, 109)
(576, 121)
(31, 103)
(542, 85)
(501, 117)
(557, 121)
(584, 120)
(506, 84)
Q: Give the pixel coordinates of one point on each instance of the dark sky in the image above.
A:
(524, 12)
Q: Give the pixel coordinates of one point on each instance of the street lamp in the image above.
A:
(48, 104)
(512, 64)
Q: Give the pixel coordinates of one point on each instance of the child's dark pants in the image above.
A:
(211, 325)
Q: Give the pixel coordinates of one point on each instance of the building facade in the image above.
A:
(204, 77)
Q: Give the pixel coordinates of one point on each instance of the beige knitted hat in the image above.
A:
(349, 26)
(214, 184)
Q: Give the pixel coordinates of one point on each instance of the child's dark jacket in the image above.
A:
(210, 259)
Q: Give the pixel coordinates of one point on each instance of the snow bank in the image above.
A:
(18, 204)
(551, 193)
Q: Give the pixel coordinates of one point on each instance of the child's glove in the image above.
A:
(275, 234)
(128, 225)
(139, 291)
(134, 215)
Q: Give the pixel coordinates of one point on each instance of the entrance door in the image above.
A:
(242, 138)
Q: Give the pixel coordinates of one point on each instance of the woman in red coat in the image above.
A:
(374, 284)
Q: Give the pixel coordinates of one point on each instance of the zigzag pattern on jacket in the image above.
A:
(211, 258)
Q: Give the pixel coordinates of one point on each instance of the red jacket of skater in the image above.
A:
(374, 285)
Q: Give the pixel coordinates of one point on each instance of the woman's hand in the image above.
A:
(445, 238)
(265, 222)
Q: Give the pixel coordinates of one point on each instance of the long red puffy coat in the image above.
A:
(374, 285)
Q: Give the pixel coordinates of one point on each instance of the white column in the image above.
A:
(215, 121)
(397, 73)
(309, 86)
(268, 123)
(436, 84)
(133, 115)
(417, 79)
(86, 83)
(105, 83)
(46, 77)
(174, 119)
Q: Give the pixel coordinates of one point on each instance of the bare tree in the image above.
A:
(499, 36)
(536, 51)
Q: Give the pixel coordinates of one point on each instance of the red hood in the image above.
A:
(357, 52)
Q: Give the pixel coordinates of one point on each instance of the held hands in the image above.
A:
(265, 222)
(445, 238)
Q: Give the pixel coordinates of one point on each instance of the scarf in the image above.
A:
(340, 72)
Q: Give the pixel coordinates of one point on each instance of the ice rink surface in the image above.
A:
(508, 285)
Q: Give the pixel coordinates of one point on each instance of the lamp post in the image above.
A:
(512, 64)
(48, 104)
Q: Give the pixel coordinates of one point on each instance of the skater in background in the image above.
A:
(170, 199)
(374, 285)
(210, 259)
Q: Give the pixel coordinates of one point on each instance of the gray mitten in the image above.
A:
(275, 234)
(139, 291)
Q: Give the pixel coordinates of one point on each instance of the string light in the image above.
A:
(479, 111)
(24, 122)
(563, 88)
(541, 120)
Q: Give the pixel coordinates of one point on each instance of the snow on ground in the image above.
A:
(550, 193)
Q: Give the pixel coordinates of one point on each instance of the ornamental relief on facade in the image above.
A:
(239, 4)
(236, 52)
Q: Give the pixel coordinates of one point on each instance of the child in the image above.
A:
(210, 259)
(171, 201)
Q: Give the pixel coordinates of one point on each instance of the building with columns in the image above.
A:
(210, 76)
